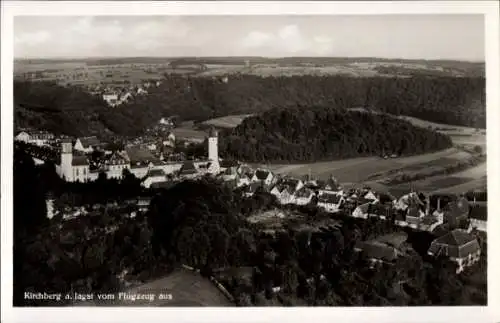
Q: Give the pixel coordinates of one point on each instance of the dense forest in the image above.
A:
(70, 110)
(324, 134)
(202, 224)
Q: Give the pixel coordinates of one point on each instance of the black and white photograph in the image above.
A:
(248, 160)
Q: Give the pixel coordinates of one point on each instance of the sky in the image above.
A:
(456, 37)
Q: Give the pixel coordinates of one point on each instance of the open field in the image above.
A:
(370, 170)
(362, 169)
(133, 70)
(227, 122)
(186, 287)
(189, 133)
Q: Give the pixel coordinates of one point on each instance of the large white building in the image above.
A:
(71, 167)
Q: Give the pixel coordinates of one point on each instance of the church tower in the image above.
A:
(67, 160)
(213, 150)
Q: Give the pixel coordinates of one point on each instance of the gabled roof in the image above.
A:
(89, 141)
(479, 212)
(118, 158)
(262, 174)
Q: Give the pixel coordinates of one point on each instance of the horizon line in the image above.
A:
(483, 61)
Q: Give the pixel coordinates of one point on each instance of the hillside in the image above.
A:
(325, 133)
(70, 110)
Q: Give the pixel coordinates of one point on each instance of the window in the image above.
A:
(77, 173)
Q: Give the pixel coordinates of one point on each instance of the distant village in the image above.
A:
(157, 165)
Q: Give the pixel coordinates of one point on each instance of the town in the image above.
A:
(284, 174)
(457, 223)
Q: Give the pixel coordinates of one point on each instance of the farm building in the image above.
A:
(459, 246)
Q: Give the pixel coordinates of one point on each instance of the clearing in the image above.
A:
(227, 122)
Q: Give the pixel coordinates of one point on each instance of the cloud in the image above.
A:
(287, 40)
(32, 38)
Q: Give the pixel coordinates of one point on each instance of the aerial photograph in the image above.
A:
(251, 161)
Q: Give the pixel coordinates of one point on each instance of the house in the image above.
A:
(384, 249)
(169, 140)
(143, 203)
(154, 176)
(87, 144)
(361, 211)
(330, 186)
(110, 98)
(370, 196)
(459, 246)
(304, 196)
(414, 216)
(409, 199)
(116, 163)
(287, 196)
(330, 202)
(264, 176)
(478, 217)
(39, 138)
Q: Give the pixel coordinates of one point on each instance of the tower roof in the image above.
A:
(213, 133)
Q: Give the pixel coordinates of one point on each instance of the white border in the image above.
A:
(421, 314)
